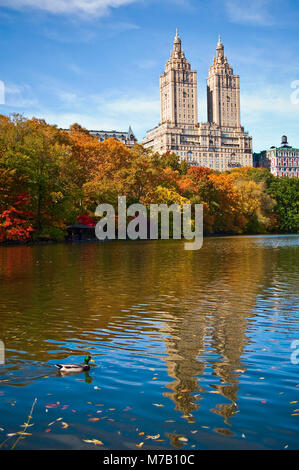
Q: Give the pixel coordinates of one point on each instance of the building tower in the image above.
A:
(221, 143)
(178, 89)
(223, 92)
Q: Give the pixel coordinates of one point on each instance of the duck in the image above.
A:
(75, 368)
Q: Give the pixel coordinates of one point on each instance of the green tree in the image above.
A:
(285, 191)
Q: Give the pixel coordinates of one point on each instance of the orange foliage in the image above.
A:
(14, 222)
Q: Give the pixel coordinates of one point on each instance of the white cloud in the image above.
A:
(270, 99)
(267, 113)
(252, 12)
(19, 96)
(109, 110)
(83, 7)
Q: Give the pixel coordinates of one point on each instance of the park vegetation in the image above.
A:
(51, 178)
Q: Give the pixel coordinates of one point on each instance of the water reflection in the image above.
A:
(143, 302)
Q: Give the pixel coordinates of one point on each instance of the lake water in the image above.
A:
(192, 349)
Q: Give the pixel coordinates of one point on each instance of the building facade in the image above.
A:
(127, 138)
(220, 143)
(260, 160)
(284, 160)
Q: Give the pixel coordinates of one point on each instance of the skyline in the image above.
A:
(103, 72)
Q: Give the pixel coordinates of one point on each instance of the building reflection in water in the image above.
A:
(200, 303)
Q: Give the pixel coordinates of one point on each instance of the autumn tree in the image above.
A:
(38, 155)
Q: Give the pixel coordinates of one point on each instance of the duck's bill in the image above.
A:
(92, 360)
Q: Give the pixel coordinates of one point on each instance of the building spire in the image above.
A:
(177, 42)
(220, 49)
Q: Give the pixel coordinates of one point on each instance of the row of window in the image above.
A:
(288, 154)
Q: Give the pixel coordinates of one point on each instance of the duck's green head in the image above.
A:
(87, 359)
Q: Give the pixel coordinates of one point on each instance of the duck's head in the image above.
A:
(88, 359)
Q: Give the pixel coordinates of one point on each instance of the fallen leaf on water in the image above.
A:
(170, 421)
(194, 432)
(93, 441)
(292, 402)
(22, 433)
(214, 391)
(243, 435)
(295, 414)
(183, 439)
(48, 430)
(64, 425)
(141, 433)
(186, 390)
(93, 419)
(58, 419)
(157, 404)
(153, 437)
(140, 445)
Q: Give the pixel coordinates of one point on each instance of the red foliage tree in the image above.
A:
(15, 222)
(86, 220)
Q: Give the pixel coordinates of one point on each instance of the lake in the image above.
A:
(192, 349)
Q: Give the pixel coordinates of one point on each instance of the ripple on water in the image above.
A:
(193, 345)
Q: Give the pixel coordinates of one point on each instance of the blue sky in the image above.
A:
(97, 62)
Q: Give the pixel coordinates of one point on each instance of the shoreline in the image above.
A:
(83, 242)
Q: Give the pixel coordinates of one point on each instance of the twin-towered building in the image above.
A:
(220, 143)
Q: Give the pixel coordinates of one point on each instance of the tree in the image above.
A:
(285, 192)
(172, 160)
(123, 172)
(15, 221)
(255, 205)
(38, 156)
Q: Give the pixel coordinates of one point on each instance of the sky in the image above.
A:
(98, 62)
